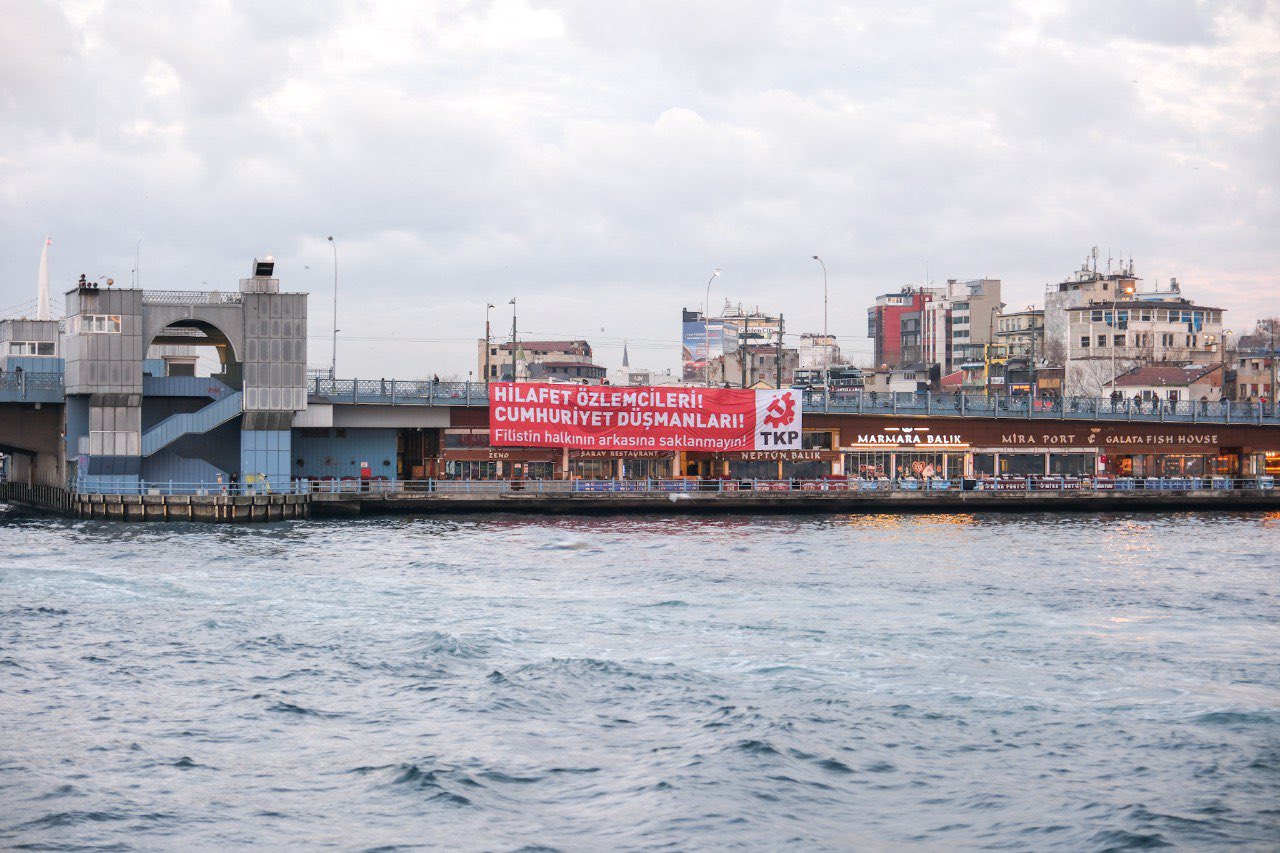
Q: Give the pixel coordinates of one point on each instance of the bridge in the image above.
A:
(29, 387)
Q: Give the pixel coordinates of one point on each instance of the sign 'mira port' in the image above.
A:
(640, 418)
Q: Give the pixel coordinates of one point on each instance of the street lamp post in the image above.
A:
(487, 308)
(706, 326)
(513, 339)
(333, 366)
(1115, 324)
(826, 341)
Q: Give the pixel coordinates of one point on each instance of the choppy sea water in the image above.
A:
(502, 683)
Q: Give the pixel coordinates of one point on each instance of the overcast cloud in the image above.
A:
(596, 160)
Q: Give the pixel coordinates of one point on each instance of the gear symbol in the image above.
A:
(781, 410)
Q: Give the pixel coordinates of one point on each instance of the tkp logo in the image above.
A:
(781, 411)
(778, 417)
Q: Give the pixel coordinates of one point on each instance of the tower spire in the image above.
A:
(42, 299)
(626, 362)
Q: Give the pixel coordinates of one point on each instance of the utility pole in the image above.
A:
(1032, 372)
(743, 355)
(333, 365)
(1275, 405)
(513, 339)
(487, 308)
(781, 326)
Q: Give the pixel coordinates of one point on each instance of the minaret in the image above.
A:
(626, 362)
(42, 301)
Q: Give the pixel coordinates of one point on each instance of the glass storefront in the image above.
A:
(1021, 464)
(591, 469)
(531, 470)
(1073, 464)
(1167, 465)
(809, 469)
(647, 469)
(470, 470)
(874, 464)
(742, 469)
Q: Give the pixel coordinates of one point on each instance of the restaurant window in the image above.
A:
(1021, 464)
(984, 464)
(470, 470)
(807, 469)
(753, 470)
(591, 469)
(531, 470)
(1181, 465)
(1072, 464)
(869, 465)
(816, 440)
(647, 469)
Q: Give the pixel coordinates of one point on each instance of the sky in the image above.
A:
(597, 160)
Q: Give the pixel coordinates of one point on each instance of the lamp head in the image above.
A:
(716, 273)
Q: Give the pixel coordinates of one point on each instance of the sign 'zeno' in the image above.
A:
(643, 418)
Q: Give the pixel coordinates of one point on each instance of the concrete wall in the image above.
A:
(105, 363)
(331, 456)
(275, 352)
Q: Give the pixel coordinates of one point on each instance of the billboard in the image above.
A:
(530, 414)
(701, 340)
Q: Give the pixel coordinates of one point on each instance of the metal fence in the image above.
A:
(376, 488)
(29, 386)
(402, 391)
(191, 297)
(1069, 408)
(433, 393)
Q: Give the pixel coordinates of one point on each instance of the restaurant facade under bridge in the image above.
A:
(880, 446)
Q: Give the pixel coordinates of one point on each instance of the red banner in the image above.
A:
(592, 417)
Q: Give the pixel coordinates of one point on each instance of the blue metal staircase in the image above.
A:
(173, 428)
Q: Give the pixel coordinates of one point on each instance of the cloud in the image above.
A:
(598, 160)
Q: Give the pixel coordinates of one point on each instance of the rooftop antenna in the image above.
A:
(42, 296)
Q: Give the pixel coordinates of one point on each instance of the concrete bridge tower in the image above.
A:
(125, 424)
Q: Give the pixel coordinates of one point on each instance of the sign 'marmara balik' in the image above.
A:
(603, 418)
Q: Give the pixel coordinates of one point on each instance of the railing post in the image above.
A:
(962, 396)
(894, 394)
(1228, 411)
(1129, 409)
(1097, 403)
(393, 392)
(861, 394)
(355, 390)
(928, 402)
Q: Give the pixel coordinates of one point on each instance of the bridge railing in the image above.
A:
(29, 386)
(400, 391)
(436, 393)
(191, 297)
(1069, 408)
(677, 488)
